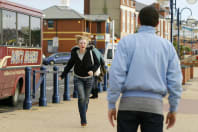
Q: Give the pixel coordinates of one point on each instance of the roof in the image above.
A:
(20, 8)
(97, 17)
(139, 6)
(62, 12)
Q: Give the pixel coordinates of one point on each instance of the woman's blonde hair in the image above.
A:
(82, 37)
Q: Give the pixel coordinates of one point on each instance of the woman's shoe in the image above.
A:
(83, 124)
(93, 97)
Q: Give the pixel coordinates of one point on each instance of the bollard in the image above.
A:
(34, 85)
(105, 80)
(56, 98)
(100, 87)
(27, 104)
(66, 95)
(75, 92)
(42, 99)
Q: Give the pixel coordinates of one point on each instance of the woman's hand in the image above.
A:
(90, 73)
(59, 78)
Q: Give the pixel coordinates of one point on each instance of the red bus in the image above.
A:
(20, 46)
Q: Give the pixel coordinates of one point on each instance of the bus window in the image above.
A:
(0, 28)
(35, 32)
(109, 54)
(23, 30)
(15, 26)
(9, 27)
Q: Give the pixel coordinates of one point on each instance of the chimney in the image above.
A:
(65, 3)
(86, 6)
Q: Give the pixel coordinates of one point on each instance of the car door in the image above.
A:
(58, 58)
(66, 57)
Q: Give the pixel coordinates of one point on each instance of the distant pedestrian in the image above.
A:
(97, 77)
(83, 73)
(145, 68)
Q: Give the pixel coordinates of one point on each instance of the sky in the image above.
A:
(79, 5)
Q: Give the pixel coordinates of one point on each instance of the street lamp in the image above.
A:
(179, 13)
(172, 4)
(191, 21)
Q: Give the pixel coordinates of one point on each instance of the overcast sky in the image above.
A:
(79, 5)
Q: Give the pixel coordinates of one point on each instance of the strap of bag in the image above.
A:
(92, 60)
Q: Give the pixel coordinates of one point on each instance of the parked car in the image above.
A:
(57, 58)
(108, 56)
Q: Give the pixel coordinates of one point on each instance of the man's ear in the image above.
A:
(157, 23)
(139, 23)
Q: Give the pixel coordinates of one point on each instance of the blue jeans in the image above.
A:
(128, 121)
(84, 86)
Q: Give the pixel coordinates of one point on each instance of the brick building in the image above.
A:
(125, 14)
(121, 11)
(99, 29)
(61, 24)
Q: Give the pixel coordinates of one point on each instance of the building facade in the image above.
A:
(121, 11)
(125, 14)
(100, 30)
(61, 25)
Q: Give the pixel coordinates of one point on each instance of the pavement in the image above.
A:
(64, 117)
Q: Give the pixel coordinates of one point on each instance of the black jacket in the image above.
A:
(81, 67)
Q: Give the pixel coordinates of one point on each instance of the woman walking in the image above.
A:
(84, 70)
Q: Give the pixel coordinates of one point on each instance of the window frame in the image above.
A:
(40, 43)
(123, 21)
(49, 27)
(17, 37)
(14, 12)
(107, 27)
(98, 27)
(1, 32)
(29, 27)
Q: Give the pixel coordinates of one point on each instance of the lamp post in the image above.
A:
(179, 13)
(191, 21)
(192, 36)
(171, 8)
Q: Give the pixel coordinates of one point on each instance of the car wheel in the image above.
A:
(15, 98)
(51, 62)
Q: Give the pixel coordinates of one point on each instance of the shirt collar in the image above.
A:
(148, 29)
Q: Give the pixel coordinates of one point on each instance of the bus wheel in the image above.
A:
(15, 98)
(51, 62)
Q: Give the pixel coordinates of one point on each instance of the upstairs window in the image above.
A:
(123, 21)
(50, 23)
(127, 2)
(87, 27)
(98, 27)
(108, 28)
(123, 2)
(132, 3)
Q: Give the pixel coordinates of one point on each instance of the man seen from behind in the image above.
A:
(145, 68)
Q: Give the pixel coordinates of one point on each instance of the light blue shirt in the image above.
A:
(145, 65)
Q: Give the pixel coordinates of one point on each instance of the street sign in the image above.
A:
(187, 28)
(191, 1)
(55, 42)
(194, 29)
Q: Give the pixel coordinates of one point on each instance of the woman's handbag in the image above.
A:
(97, 73)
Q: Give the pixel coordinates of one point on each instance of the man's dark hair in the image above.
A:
(149, 16)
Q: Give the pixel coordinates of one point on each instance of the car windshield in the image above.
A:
(60, 54)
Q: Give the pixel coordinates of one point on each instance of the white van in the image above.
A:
(108, 56)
